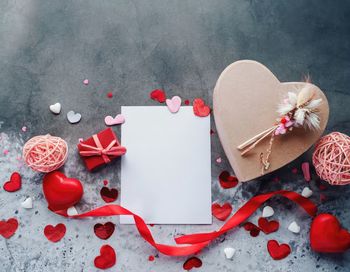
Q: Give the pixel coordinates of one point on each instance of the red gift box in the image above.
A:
(100, 149)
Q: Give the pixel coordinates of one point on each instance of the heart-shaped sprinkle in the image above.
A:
(267, 212)
(55, 234)
(229, 252)
(110, 121)
(173, 104)
(24, 129)
(253, 229)
(307, 192)
(107, 257)
(104, 231)
(218, 160)
(55, 108)
(305, 166)
(109, 195)
(151, 258)
(278, 251)
(200, 108)
(221, 212)
(71, 211)
(27, 203)
(268, 226)
(192, 262)
(86, 82)
(8, 228)
(14, 184)
(110, 95)
(187, 102)
(73, 117)
(158, 95)
(227, 181)
(294, 227)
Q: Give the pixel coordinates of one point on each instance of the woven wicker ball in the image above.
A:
(331, 158)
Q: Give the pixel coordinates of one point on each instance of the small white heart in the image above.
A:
(307, 192)
(173, 104)
(55, 108)
(267, 211)
(71, 211)
(73, 117)
(110, 121)
(229, 252)
(294, 227)
(28, 203)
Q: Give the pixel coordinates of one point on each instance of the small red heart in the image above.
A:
(187, 102)
(200, 108)
(221, 212)
(268, 226)
(54, 234)
(227, 181)
(253, 229)
(8, 228)
(326, 235)
(278, 251)
(109, 195)
(14, 184)
(104, 231)
(192, 262)
(107, 257)
(158, 95)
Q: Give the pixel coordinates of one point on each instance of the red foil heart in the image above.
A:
(60, 191)
(109, 195)
(221, 212)
(8, 228)
(278, 251)
(326, 235)
(158, 95)
(200, 108)
(55, 234)
(192, 262)
(227, 181)
(104, 231)
(107, 258)
(268, 226)
(14, 184)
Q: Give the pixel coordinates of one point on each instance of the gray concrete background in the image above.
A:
(129, 48)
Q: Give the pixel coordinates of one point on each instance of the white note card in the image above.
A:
(166, 171)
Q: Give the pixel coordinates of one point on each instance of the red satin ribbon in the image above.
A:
(199, 240)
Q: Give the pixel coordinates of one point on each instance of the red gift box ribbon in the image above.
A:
(99, 150)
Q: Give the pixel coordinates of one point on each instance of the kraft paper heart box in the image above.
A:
(100, 148)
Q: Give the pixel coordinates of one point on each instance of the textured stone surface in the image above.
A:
(47, 49)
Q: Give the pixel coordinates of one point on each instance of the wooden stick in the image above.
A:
(256, 137)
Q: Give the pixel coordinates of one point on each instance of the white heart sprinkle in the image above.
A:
(55, 108)
(71, 211)
(307, 192)
(229, 252)
(85, 81)
(294, 227)
(28, 203)
(73, 117)
(267, 212)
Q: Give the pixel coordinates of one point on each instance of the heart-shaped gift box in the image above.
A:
(245, 99)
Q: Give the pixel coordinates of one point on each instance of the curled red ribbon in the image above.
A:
(199, 240)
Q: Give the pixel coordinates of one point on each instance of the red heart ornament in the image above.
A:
(278, 251)
(104, 231)
(227, 181)
(268, 226)
(326, 235)
(14, 184)
(8, 228)
(158, 95)
(107, 257)
(221, 212)
(109, 195)
(55, 234)
(60, 191)
(200, 108)
(253, 229)
(192, 262)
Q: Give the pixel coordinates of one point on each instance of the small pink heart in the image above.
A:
(110, 121)
(86, 82)
(173, 104)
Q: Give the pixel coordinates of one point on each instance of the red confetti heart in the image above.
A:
(227, 181)
(221, 212)
(107, 257)
(55, 234)
(200, 108)
(278, 251)
(253, 229)
(14, 184)
(187, 102)
(110, 95)
(192, 262)
(8, 228)
(268, 226)
(104, 231)
(151, 258)
(158, 95)
(109, 195)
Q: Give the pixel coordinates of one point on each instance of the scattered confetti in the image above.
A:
(55, 108)
(158, 95)
(80, 140)
(173, 104)
(6, 151)
(305, 167)
(227, 181)
(73, 117)
(27, 203)
(267, 212)
(151, 258)
(71, 211)
(24, 128)
(55, 233)
(221, 212)
(200, 108)
(192, 262)
(294, 227)
(278, 251)
(110, 121)
(8, 228)
(86, 82)
(307, 192)
(110, 95)
(295, 170)
(212, 132)
(105, 182)
(104, 231)
(187, 102)
(268, 226)
(218, 160)
(14, 184)
(229, 252)
(107, 257)
(109, 195)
